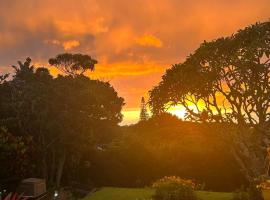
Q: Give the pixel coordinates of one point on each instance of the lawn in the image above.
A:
(109, 193)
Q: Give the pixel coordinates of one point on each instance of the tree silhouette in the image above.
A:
(62, 115)
(143, 114)
(228, 77)
(73, 64)
(225, 81)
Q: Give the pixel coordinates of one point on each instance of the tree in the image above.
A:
(81, 106)
(226, 81)
(73, 64)
(3, 78)
(13, 155)
(62, 115)
(143, 114)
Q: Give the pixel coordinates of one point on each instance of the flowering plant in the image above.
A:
(174, 180)
(14, 196)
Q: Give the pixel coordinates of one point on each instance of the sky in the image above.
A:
(134, 41)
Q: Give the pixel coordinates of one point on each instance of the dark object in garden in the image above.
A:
(32, 187)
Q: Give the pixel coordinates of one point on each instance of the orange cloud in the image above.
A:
(134, 41)
(67, 45)
(70, 44)
(78, 26)
(125, 69)
(149, 40)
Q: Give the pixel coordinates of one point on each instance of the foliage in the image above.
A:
(225, 77)
(142, 153)
(255, 192)
(3, 78)
(173, 180)
(13, 156)
(73, 64)
(143, 114)
(174, 188)
(226, 81)
(62, 115)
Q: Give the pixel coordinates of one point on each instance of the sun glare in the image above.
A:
(178, 111)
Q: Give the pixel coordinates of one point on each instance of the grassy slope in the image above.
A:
(145, 194)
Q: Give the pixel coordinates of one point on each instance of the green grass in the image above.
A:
(214, 195)
(109, 193)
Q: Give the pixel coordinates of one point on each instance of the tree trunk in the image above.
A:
(44, 168)
(52, 171)
(61, 164)
(44, 158)
(248, 146)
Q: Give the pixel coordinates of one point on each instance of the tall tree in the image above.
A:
(73, 64)
(226, 81)
(62, 115)
(143, 114)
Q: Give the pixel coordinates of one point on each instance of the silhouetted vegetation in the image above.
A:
(65, 128)
(62, 116)
(143, 114)
(226, 81)
(174, 188)
(73, 64)
(164, 146)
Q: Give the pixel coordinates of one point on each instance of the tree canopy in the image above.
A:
(225, 80)
(143, 114)
(63, 115)
(73, 64)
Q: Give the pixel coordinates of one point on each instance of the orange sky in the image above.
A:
(134, 41)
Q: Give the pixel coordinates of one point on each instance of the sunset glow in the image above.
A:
(133, 41)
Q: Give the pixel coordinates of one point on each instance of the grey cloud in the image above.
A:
(32, 43)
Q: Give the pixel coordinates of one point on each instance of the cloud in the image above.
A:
(132, 40)
(70, 44)
(149, 40)
(67, 45)
(126, 69)
(79, 26)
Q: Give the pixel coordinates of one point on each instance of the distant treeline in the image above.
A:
(160, 147)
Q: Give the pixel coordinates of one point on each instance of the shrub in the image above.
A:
(174, 188)
(173, 180)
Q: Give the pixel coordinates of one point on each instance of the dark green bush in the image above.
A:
(174, 189)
